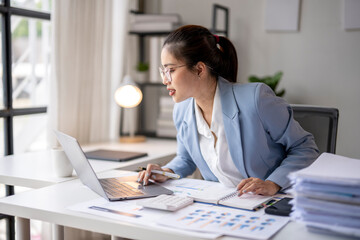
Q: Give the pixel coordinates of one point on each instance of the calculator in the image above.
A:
(166, 202)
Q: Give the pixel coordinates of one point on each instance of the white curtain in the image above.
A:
(88, 58)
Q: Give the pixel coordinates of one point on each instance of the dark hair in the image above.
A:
(192, 44)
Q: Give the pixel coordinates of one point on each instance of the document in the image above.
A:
(327, 195)
(130, 212)
(197, 220)
(231, 222)
(215, 193)
(331, 169)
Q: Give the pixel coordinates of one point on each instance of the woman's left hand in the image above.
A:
(257, 186)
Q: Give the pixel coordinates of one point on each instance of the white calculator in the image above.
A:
(167, 202)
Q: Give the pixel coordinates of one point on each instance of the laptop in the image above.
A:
(113, 189)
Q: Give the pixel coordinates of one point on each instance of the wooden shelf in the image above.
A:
(148, 33)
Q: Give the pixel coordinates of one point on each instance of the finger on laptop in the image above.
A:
(140, 176)
(148, 172)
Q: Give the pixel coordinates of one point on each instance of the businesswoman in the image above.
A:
(241, 135)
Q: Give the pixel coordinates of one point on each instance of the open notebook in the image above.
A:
(245, 201)
(215, 193)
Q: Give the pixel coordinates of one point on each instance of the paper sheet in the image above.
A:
(327, 195)
(339, 170)
(226, 221)
(198, 189)
(128, 211)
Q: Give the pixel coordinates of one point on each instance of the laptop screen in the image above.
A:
(80, 163)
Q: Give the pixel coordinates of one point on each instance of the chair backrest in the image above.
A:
(322, 122)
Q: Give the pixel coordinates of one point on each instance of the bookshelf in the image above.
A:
(150, 108)
(147, 27)
(154, 108)
(141, 37)
(155, 112)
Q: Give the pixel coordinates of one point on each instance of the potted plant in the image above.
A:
(142, 69)
(271, 81)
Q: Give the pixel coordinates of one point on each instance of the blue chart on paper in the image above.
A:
(232, 222)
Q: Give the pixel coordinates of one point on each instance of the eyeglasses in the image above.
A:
(166, 72)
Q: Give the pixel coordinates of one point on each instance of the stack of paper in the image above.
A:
(327, 195)
(154, 22)
(165, 126)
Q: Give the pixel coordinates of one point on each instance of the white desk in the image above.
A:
(50, 204)
(34, 170)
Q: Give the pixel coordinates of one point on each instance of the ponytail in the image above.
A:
(193, 44)
(228, 60)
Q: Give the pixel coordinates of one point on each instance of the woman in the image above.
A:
(241, 135)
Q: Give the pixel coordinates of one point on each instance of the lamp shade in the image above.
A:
(128, 95)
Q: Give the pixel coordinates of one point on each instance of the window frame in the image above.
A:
(8, 112)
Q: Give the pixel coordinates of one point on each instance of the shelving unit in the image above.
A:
(149, 109)
(141, 36)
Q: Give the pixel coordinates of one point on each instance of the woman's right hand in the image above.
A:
(146, 175)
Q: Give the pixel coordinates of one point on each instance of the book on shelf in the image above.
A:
(155, 46)
(216, 193)
(166, 132)
(166, 123)
(165, 126)
(166, 101)
(153, 27)
(166, 112)
(174, 18)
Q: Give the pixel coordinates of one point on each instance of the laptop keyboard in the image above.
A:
(116, 189)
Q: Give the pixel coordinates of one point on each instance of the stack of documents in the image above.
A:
(165, 126)
(327, 195)
(144, 23)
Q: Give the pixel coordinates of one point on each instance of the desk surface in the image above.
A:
(50, 204)
(34, 169)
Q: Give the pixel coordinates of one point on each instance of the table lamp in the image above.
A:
(128, 96)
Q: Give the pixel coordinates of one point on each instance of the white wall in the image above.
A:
(321, 62)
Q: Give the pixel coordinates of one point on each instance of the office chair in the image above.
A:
(322, 122)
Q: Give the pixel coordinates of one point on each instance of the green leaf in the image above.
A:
(278, 76)
(281, 93)
(142, 67)
(271, 81)
(254, 79)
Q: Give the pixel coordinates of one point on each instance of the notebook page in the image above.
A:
(199, 190)
(245, 201)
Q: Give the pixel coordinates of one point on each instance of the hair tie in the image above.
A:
(217, 38)
(217, 43)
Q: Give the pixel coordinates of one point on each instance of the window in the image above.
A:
(24, 70)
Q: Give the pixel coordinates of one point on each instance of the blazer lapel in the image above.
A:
(232, 125)
(192, 136)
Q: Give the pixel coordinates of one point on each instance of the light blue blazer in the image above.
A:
(263, 138)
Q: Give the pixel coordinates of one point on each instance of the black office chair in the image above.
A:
(322, 122)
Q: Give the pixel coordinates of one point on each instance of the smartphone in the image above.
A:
(280, 208)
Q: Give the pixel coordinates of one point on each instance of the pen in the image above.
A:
(168, 174)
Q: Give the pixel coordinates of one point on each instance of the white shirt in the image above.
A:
(213, 145)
